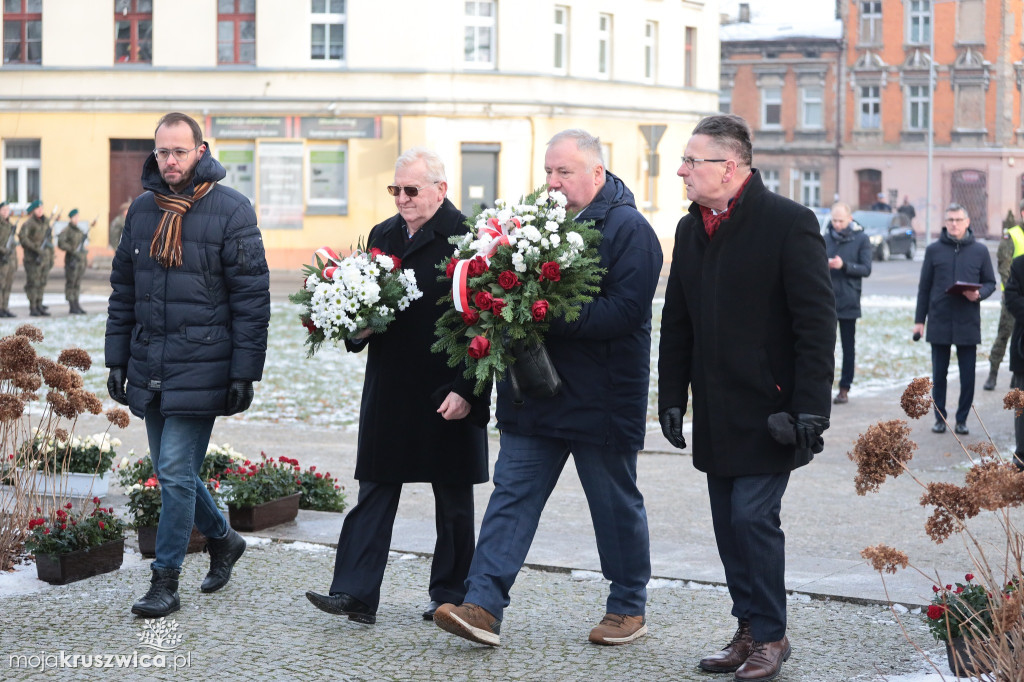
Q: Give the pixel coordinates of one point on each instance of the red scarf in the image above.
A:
(166, 245)
(713, 220)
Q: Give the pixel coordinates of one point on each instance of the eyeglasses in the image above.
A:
(956, 220)
(690, 161)
(395, 190)
(179, 154)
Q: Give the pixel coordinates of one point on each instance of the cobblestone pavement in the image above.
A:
(261, 627)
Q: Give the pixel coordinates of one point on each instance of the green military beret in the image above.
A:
(72, 213)
(34, 205)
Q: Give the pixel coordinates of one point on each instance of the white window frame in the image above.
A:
(650, 51)
(23, 168)
(918, 109)
(919, 22)
(771, 96)
(812, 99)
(810, 188)
(870, 98)
(770, 178)
(870, 28)
(560, 63)
(604, 46)
(331, 21)
(479, 25)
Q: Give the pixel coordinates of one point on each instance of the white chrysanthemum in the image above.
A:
(383, 310)
(404, 302)
(574, 239)
(311, 282)
(386, 262)
(369, 293)
(531, 233)
(518, 262)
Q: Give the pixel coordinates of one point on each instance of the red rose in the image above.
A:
(508, 280)
(470, 317)
(308, 324)
(551, 271)
(398, 263)
(483, 300)
(539, 310)
(477, 266)
(497, 305)
(969, 577)
(479, 347)
(374, 252)
(450, 270)
(935, 611)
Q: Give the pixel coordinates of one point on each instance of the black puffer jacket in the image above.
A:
(188, 331)
(854, 247)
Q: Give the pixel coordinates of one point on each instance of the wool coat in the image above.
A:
(749, 326)
(951, 318)
(854, 247)
(188, 331)
(402, 438)
(604, 356)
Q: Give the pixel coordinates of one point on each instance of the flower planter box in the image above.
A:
(273, 513)
(147, 541)
(60, 569)
(82, 486)
(961, 664)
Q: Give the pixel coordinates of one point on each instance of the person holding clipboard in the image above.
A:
(956, 276)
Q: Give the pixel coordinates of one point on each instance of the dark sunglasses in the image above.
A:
(395, 190)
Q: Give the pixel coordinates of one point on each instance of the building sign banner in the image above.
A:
(338, 128)
(247, 127)
(280, 190)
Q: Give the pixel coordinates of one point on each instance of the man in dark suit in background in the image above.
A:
(749, 326)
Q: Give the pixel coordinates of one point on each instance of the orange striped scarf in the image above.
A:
(166, 245)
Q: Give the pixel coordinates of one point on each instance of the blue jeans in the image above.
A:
(177, 446)
(524, 476)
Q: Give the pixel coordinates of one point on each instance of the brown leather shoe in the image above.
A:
(733, 655)
(765, 661)
(842, 397)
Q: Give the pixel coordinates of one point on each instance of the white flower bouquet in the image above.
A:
(343, 296)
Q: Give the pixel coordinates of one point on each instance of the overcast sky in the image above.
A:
(771, 11)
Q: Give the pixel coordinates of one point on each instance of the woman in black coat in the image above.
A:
(419, 420)
(849, 262)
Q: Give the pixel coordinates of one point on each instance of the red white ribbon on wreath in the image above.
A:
(499, 235)
(327, 255)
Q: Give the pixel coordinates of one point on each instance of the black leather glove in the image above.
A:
(115, 385)
(240, 395)
(809, 428)
(672, 426)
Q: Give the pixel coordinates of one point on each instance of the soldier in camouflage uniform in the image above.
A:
(1010, 246)
(36, 237)
(72, 241)
(8, 259)
(117, 226)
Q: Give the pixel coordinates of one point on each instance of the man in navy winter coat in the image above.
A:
(953, 311)
(599, 416)
(187, 330)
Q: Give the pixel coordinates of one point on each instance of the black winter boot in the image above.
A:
(162, 597)
(224, 552)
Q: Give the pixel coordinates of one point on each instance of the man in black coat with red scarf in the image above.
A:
(419, 420)
(749, 327)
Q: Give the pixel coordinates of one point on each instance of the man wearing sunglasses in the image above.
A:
(187, 330)
(419, 420)
(749, 329)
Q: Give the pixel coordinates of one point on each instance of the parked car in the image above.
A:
(889, 233)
